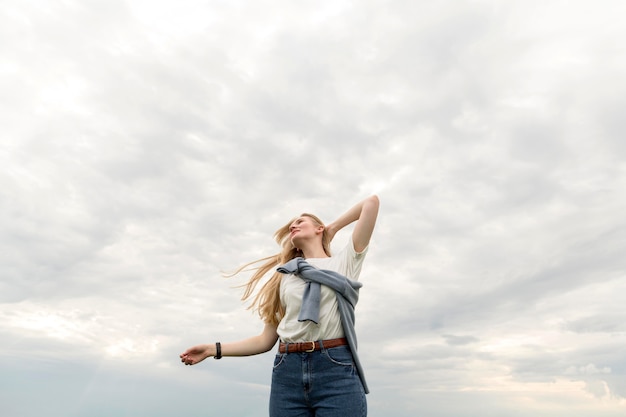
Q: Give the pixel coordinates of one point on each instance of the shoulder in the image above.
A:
(347, 261)
(348, 252)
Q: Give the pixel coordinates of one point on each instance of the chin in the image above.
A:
(294, 242)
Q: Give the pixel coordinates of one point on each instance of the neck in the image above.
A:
(313, 252)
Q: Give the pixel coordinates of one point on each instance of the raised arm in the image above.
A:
(251, 346)
(365, 214)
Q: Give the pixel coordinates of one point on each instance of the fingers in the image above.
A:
(186, 360)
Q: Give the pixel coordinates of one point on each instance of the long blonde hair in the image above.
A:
(267, 301)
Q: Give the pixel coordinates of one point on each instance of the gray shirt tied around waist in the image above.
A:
(347, 292)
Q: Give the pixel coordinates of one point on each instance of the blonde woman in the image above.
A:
(308, 303)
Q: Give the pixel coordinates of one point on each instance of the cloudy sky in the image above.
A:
(148, 145)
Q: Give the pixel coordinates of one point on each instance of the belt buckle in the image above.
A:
(312, 347)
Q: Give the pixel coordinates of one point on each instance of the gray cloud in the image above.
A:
(147, 146)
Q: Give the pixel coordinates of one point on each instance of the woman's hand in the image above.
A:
(331, 231)
(196, 354)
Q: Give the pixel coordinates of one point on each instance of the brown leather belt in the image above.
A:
(311, 346)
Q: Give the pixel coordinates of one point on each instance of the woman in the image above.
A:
(308, 304)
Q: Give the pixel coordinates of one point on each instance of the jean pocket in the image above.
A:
(339, 356)
(279, 359)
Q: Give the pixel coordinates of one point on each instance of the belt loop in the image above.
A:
(286, 347)
(321, 344)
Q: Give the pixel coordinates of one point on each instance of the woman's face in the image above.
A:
(304, 228)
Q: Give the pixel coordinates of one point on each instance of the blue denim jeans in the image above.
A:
(323, 383)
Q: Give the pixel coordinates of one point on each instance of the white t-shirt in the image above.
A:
(347, 262)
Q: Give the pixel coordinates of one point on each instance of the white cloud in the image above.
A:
(147, 146)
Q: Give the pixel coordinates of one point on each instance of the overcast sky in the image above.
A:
(148, 145)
